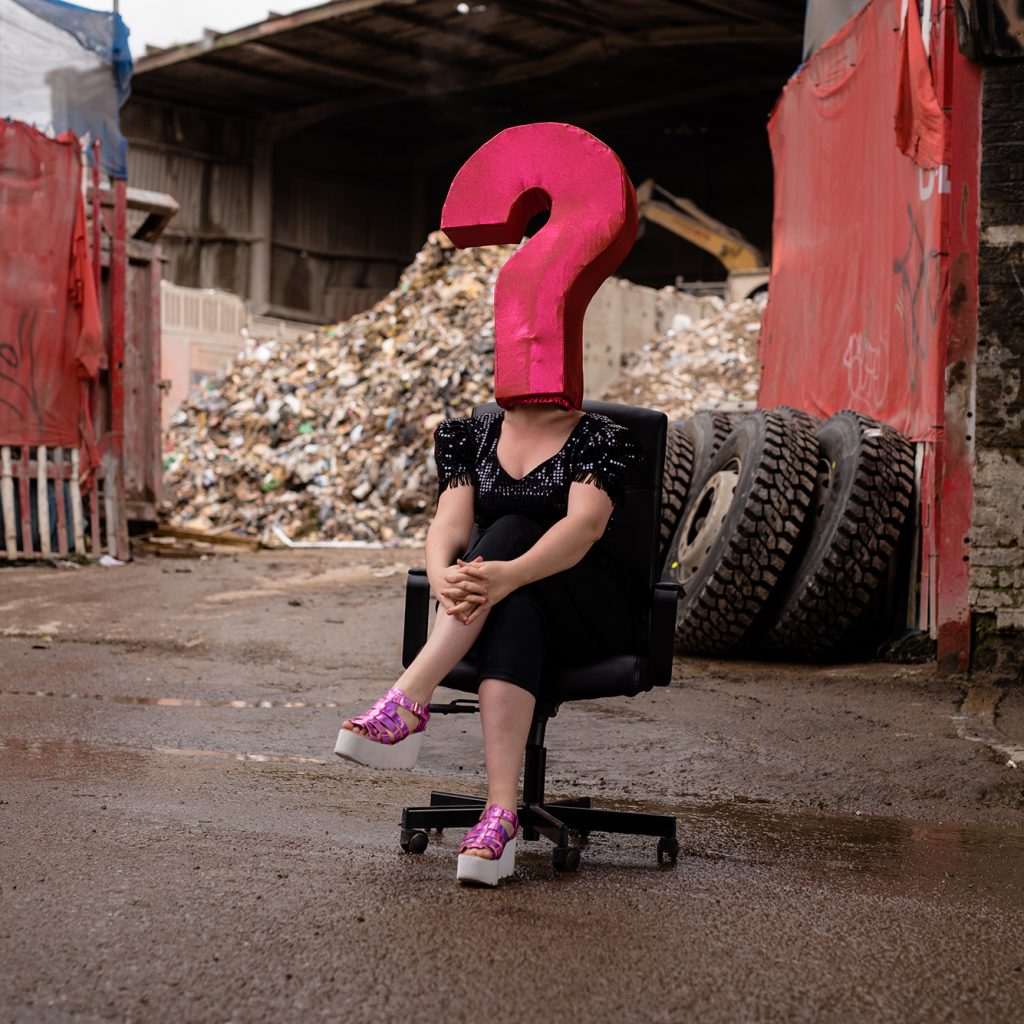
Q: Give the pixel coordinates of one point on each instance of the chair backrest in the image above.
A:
(633, 537)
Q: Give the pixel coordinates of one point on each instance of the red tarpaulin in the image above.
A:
(856, 283)
(50, 333)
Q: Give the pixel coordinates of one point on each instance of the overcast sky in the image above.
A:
(183, 21)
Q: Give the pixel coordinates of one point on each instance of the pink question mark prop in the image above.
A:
(543, 291)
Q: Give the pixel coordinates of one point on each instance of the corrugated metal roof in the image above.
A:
(355, 56)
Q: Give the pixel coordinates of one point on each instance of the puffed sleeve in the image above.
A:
(455, 454)
(605, 456)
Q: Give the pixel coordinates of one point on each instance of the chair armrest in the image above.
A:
(417, 614)
(663, 633)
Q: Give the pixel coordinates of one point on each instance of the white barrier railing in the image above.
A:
(42, 508)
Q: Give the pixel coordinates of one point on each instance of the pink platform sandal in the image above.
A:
(389, 744)
(488, 834)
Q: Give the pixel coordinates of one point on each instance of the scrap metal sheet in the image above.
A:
(50, 333)
(857, 282)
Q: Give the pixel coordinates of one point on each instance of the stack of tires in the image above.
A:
(784, 531)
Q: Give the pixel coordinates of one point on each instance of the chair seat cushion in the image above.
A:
(622, 676)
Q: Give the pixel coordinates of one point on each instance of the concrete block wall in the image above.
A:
(997, 533)
(200, 334)
(623, 317)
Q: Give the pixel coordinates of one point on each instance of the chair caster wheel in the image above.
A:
(565, 858)
(668, 850)
(414, 841)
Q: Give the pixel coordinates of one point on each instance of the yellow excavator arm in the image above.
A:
(689, 221)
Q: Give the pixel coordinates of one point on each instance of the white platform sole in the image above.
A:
(353, 747)
(485, 871)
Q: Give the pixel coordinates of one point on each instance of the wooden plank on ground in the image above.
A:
(209, 537)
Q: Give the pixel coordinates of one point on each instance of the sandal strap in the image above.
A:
(399, 697)
(384, 724)
(497, 811)
(488, 834)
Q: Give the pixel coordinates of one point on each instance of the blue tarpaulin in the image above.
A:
(66, 68)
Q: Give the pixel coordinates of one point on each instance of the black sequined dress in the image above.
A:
(580, 615)
(598, 451)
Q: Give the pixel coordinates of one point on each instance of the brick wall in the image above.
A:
(997, 535)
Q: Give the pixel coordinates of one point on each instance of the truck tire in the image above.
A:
(703, 436)
(807, 419)
(862, 500)
(744, 524)
(675, 483)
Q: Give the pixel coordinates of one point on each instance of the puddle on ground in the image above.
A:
(894, 854)
(76, 750)
(171, 702)
(54, 758)
(891, 850)
(227, 755)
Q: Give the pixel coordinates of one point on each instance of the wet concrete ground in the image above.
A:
(178, 843)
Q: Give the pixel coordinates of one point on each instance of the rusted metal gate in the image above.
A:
(48, 510)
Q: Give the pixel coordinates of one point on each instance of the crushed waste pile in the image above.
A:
(328, 437)
(705, 363)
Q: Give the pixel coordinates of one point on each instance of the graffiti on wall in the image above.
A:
(18, 393)
(917, 298)
(863, 361)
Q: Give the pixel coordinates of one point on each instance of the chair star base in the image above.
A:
(560, 821)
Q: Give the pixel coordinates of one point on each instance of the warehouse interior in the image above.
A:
(311, 153)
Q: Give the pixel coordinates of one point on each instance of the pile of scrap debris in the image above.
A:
(710, 363)
(329, 437)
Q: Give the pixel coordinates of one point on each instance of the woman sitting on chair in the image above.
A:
(537, 588)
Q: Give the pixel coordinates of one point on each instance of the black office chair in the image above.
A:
(634, 541)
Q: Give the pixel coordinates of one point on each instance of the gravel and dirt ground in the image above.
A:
(177, 842)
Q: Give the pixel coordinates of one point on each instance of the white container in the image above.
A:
(200, 334)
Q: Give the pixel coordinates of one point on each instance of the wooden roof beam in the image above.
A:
(432, 57)
(673, 36)
(540, 14)
(567, 19)
(342, 69)
(465, 32)
(262, 30)
(686, 98)
(247, 71)
(286, 122)
(762, 11)
(723, 33)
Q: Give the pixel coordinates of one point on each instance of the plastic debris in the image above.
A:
(327, 439)
(708, 364)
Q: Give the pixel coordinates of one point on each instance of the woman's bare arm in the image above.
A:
(448, 535)
(568, 540)
(560, 548)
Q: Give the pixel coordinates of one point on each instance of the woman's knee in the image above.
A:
(515, 625)
(508, 537)
(520, 610)
(513, 643)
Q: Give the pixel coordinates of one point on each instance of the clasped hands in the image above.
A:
(470, 588)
